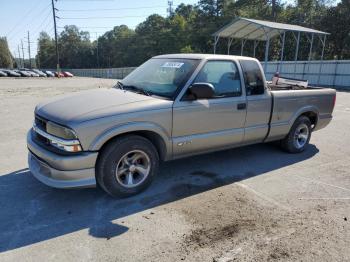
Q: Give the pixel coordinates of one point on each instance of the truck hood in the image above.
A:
(92, 104)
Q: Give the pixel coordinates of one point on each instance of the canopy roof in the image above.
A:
(252, 29)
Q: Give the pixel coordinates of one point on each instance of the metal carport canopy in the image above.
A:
(251, 29)
(259, 30)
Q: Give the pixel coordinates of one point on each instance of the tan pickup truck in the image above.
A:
(172, 106)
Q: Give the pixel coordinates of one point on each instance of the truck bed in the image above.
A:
(290, 87)
(289, 103)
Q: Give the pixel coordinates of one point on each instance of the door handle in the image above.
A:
(241, 106)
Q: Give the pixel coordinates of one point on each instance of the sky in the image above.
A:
(17, 17)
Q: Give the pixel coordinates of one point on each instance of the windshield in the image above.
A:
(160, 76)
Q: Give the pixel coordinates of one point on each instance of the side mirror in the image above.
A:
(201, 90)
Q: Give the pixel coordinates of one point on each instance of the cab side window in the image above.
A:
(223, 75)
(253, 78)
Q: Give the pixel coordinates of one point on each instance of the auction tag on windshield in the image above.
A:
(172, 64)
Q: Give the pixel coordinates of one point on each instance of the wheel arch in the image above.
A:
(311, 112)
(312, 116)
(155, 134)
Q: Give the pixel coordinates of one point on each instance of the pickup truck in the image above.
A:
(170, 107)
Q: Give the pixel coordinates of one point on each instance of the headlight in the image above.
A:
(68, 148)
(60, 137)
(60, 131)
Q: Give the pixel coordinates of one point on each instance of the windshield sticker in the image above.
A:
(172, 64)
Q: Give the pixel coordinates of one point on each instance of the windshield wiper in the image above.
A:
(137, 90)
(119, 85)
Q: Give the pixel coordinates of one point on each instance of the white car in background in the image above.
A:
(40, 73)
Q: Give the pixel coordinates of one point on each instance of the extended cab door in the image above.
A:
(211, 124)
(259, 101)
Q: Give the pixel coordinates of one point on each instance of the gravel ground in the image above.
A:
(249, 204)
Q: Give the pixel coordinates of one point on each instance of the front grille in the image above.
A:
(40, 122)
(45, 143)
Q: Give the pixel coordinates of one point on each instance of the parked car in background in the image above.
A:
(2, 73)
(11, 73)
(67, 74)
(172, 106)
(59, 74)
(33, 73)
(49, 73)
(29, 71)
(23, 73)
(40, 73)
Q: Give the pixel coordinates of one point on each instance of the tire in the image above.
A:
(127, 166)
(298, 137)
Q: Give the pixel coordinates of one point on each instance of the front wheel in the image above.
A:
(298, 137)
(127, 166)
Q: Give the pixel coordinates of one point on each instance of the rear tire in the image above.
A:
(298, 137)
(127, 166)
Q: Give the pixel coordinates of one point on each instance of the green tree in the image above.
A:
(190, 29)
(46, 56)
(149, 39)
(5, 55)
(75, 48)
(337, 22)
(115, 46)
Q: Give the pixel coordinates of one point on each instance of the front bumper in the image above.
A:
(61, 171)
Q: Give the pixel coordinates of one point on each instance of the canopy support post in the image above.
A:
(311, 44)
(242, 46)
(310, 53)
(216, 40)
(255, 45)
(282, 51)
(230, 40)
(296, 53)
(321, 61)
(266, 50)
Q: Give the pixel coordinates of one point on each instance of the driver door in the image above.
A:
(211, 124)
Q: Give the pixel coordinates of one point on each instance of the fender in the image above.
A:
(281, 129)
(301, 111)
(101, 139)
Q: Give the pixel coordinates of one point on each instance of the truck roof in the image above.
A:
(204, 56)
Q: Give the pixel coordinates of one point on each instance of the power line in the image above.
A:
(89, 27)
(42, 23)
(111, 9)
(17, 31)
(22, 19)
(105, 17)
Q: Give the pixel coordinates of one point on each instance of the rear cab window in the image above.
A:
(253, 77)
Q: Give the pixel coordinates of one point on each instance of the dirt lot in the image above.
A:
(250, 204)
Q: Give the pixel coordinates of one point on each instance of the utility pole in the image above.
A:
(30, 61)
(54, 22)
(170, 8)
(16, 60)
(22, 53)
(19, 55)
(273, 3)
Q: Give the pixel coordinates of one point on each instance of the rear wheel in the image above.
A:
(127, 166)
(298, 137)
